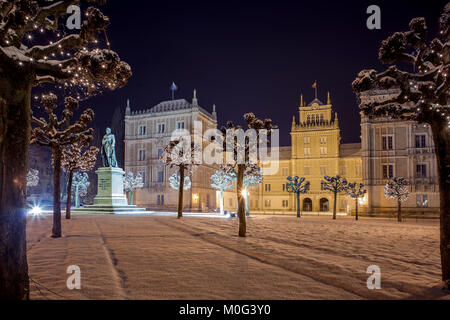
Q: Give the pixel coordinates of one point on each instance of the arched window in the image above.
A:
(308, 119)
(307, 205)
(321, 118)
(324, 205)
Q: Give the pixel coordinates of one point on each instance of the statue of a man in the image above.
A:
(109, 150)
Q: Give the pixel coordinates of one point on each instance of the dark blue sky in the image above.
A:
(253, 56)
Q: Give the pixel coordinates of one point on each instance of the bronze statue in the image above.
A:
(109, 150)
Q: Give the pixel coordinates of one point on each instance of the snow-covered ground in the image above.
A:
(161, 257)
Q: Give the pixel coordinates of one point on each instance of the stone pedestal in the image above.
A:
(110, 197)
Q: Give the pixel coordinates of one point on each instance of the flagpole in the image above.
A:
(315, 87)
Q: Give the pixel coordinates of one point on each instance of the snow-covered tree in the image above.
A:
(180, 153)
(174, 182)
(222, 180)
(241, 156)
(77, 157)
(80, 185)
(334, 184)
(35, 49)
(32, 178)
(58, 134)
(397, 188)
(422, 94)
(252, 176)
(131, 182)
(298, 186)
(356, 191)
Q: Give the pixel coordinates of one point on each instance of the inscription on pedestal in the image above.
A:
(104, 184)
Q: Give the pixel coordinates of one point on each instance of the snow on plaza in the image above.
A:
(282, 258)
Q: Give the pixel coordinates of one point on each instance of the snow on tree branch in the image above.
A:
(32, 178)
(297, 185)
(174, 182)
(397, 188)
(355, 190)
(334, 184)
(421, 95)
(131, 182)
(223, 178)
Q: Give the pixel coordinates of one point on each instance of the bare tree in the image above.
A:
(57, 134)
(131, 182)
(222, 180)
(77, 158)
(240, 151)
(180, 153)
(397, 188)
(334, 184)
(422, 96)
(72, 60)
(298, 186)
(355, 191)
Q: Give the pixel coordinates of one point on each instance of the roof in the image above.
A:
(350, 150)
(320, 103)
(171, 105)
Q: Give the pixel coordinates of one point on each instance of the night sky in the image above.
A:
(251, 56)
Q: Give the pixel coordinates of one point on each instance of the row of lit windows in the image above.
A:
(160, 128)
(388, 171)
(387, 141)
(307, 140)
(323, 151)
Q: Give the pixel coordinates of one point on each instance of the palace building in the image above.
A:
(389, 148)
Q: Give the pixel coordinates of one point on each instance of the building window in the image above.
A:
(343, 171)
(321, 119)
(161, 127)
(285, 203)
(267, 187)
(343, 205)
(141, 155)
(388, 171)
(284, 186)
(421, 141)
(358, 170)
(421, 171)
(422, 201)
(285, 171)
(323, 171)
(160, 200)
(267, 203)
(180, 125)
(143, 176)
(306, 170)
(307, 151)
(160, 176)
(230, 201)
(160, 152)
(323, 140)
(307, 140)
(323, 150)
(142, 130)
(387, 142)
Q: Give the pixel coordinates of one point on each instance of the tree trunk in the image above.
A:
(441, 139)
(334, 206)
(69, 194)
(241, 200)
(221, 201)
(247, 210)
(356, 207)
(15, 128)
(399, 211)
(77, 196)
(180, 193)
(56, 230)
(298, 205)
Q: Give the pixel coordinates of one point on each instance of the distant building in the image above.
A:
(146, 134)
(389, 148)
(393, 148)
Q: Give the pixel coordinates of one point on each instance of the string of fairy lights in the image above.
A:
(78, 81)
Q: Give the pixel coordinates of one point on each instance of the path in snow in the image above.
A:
(144, 257)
